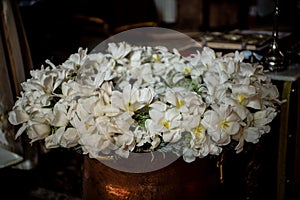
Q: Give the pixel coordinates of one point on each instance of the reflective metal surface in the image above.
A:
(274, 60)
(180, 180)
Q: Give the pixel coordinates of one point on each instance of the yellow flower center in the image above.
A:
(224, 124)
(156, 57)
(180, 103)
(241, 98)
(128, 105)
(77, 67)
(187, 70)
(87, 126)
(198, 131)
(166, 124)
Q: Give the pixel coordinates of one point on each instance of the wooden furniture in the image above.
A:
(288, 159)
(15, 63)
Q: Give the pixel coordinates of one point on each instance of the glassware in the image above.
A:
(274, 60)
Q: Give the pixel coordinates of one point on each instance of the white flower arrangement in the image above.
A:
(141, 98)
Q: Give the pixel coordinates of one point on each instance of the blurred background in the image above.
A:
(54, 29)
(49, 23)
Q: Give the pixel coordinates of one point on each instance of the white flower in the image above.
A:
(95, 144)
(59, 116)
(252, 134)
(165, 122)
(207, 57)
(221, 122)
(18, 116)
(125, 143)
(132, 99)
(37, 130)
(74, 62)
(119, 52)
(63, 138)
(246, 95)
(263, 118)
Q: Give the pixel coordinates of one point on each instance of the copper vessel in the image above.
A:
(179, 180)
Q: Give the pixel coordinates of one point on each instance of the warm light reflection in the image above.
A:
(117, 191)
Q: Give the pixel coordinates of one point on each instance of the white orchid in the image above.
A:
(141, 98)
